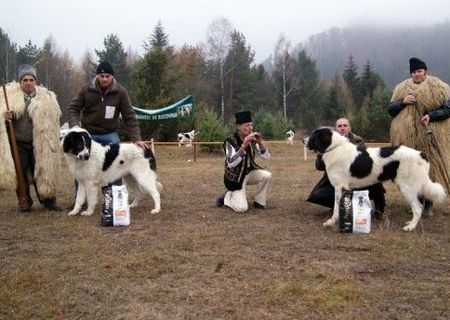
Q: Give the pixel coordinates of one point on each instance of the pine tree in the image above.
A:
(370, 80)
(28, 54)
(309, 96)
(153, 83)
(158, 39)
(238, 63)
(114, 53)
(350, 76)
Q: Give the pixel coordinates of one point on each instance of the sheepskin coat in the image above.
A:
(45, 112)
(407, 129)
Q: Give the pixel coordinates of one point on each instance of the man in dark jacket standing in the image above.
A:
(240, 167)
(98, 105)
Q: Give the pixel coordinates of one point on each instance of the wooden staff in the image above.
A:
(21, 191)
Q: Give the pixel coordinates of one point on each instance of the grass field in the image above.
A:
(196, 261)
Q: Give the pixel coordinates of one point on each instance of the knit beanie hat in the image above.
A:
(243, 117)
(105, 67)
(26, 70)
(416, 64)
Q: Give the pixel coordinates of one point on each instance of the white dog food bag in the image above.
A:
(115, 210)
(362, 208)
(121, 209)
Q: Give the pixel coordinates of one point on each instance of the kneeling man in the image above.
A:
(240, 166)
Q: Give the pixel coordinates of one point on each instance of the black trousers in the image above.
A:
(28, 162)
(323, 194)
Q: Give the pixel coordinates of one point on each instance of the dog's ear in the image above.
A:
(68, 142)
(325, 137)
(87, 140)
(320, 140)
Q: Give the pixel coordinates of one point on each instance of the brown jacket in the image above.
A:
(91, 104)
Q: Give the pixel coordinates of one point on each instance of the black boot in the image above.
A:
(427, 210)
(50, 204)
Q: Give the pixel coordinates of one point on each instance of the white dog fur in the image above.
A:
(186, 138)
(349, 167)
(290, 137)
(94, 166)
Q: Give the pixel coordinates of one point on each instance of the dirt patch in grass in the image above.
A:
(196, 261)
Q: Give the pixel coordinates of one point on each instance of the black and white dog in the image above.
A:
(94, 166)
(351, 167)
(290, 137)
(186, 138)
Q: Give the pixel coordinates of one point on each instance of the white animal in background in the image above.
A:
(290, 137)
(185, 110)
(186, 138)
(350, 167)
(94, 166)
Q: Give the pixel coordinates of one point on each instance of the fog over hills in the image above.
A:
(388, 49)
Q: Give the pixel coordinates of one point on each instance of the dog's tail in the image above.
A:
(433, 191)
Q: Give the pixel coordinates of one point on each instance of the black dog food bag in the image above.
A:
(345, 212)
(106, 212)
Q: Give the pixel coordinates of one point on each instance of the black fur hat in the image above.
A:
(105, 67)
(416, 64)
(243, 117)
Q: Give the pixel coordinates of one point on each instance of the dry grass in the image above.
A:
(196, 261)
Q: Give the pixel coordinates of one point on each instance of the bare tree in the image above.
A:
(284, 73)
(218, 39)
(88, 65)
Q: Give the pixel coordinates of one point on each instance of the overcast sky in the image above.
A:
(83, 24)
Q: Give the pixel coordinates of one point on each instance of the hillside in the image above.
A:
(388, 49)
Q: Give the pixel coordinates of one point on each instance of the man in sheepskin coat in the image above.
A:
(418, 105)
(35, 113)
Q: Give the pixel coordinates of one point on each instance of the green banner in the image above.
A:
(179, 110)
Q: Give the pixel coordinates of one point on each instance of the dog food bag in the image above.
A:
(106, 210)
(362, 209)
(121, 209)
(345, 212)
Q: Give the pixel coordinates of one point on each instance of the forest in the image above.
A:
(338, 73)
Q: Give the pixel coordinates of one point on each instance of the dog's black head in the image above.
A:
(78, 143)
(320, 140)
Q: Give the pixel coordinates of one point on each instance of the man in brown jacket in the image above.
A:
(98, 105)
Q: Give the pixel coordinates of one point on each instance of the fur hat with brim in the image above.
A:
(243, 117)
(416, 64)
(105, 67)
(26, 70)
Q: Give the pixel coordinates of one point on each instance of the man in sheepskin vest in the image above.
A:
(420, 108)
(35, 113)
(240, 166)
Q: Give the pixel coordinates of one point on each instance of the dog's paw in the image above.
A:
(87, 213)
(409, 227)
(72, 213)
(155, 211)
(329, 223)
